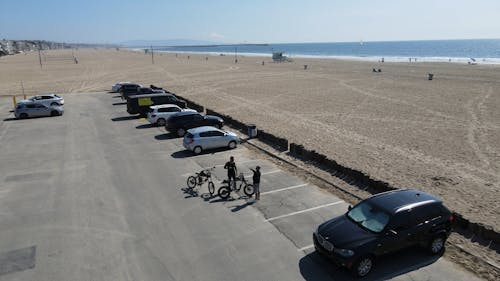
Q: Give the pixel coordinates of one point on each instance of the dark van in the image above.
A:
(139, 104)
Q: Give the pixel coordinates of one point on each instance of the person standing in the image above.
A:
(256, 182)
(230, 166)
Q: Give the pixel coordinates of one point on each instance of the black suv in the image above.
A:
(180, 122)
(128, 89)
(383, 224)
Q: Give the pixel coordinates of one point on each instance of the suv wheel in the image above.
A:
(181, 132)
(436, 245)
(232, 144)
(363, 266)
(54, 104)
(54, 113)
(161, 122)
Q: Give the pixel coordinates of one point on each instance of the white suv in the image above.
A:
(46, 99)
(158, 114)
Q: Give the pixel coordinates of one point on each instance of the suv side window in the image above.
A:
(217, 134)
(401, 221)
(163, 109)
(204, 134)
(426, 213)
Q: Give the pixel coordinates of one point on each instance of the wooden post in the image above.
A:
(152, 57)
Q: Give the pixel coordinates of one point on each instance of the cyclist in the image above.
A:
(230, 166)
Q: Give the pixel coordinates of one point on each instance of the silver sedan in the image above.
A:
(35, 109)
(207, 137)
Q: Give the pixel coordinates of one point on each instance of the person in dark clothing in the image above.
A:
(230, 166)
(256, 182)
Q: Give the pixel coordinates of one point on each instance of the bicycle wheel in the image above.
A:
(191, 181)
(249, 190)
(211, 188)
(224, 192)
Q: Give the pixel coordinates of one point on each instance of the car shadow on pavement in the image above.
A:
(118, 96)
(316, 267)
(119, 103)
(187, 153)
(10, 119)
(125, 118)
(166, 136)
(145, 126)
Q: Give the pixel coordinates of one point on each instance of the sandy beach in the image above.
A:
(441, 136)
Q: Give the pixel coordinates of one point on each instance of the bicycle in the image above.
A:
(225, 191)
(200, 178)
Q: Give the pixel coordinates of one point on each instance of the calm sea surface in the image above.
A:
(482, 51)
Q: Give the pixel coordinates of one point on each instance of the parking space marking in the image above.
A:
(306, 248)
(304, 211)
(271, 172)
(241, 162)
(283, 189)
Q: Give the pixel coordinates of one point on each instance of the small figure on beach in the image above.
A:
(262, 62)
(206, 58)
(379, 70)
(305, 66)
(188, 57)
(374, 70)
(382, 60)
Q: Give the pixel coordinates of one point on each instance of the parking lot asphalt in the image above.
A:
(98, 195)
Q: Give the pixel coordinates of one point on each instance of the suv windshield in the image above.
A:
(369, 217)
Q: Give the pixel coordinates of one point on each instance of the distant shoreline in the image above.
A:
(389, 59)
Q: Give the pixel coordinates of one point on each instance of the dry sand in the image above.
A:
(441, 136)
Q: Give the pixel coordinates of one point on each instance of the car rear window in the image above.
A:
(189, 135)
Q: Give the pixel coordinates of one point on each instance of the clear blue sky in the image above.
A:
(253, 21)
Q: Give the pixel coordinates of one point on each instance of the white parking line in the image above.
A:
(241, 162)
(306, 248)
(271, 172)
(283, 189)
(306, 210)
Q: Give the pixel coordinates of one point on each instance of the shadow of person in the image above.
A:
(242, 206)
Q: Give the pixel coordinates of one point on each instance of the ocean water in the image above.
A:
(486, 51)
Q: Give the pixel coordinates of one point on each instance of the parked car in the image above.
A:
(146, 91)
(36, 109)
(116, 87)
(158, 114)
(139, 104)
(128, 89)
(46, 99)
(180, 122)
(207, 137)
(383, 224)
